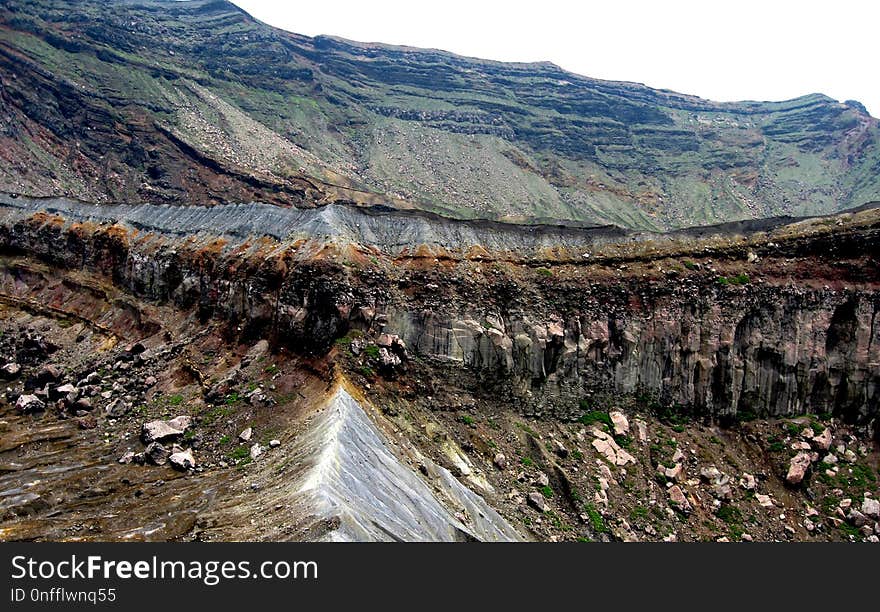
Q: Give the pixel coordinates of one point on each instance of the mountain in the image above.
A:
(197, 102)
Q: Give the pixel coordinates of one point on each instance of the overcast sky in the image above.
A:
(735, 50)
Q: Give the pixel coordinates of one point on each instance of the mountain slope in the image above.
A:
(197, 102)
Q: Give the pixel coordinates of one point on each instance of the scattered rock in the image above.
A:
(747, 482)
(542, 480)
(256, 451)
(87, 422)
(245, 436)
(500, 461)
(126, 458)
(149, 381)
(274, 443)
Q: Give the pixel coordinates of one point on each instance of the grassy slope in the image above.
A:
(459, 136)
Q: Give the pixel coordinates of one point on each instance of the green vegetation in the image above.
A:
(556, 521)
(638, 512)
(371, 350)
(546, 491)
(271, 369)
(527, 461)
(467, 419)
(224, 440)
(544, 272)
(596, 520)
(794, 429)
(744, 415)
(221, 412)
(239, 453)
(527, 429)
(739, 279)
(175, 400)
(776, 445)
(689, 265)
(595, 416)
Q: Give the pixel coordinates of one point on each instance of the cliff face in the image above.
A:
(196, 102)
(743, 325)
(774, 351)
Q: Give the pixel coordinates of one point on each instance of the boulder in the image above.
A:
(710, 474)
(822, 441)
(245, 435)
(641, 431)
(182, 460)
(537, 501)
(387, 359)
(116, 408)
(856, 518)
(256, 451)
(871, 508)
(619, 423)
(678, 499)
(765, 501)
(10, 371)
(259, 399)
(156, 454)
(157, 431)
(49, 373)
(559, 449)
(673, 473)
(798, 467)
(29, 404)
(747, 482)
(83, 404)
(606, 445)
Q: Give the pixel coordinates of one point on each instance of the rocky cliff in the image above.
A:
(722, 326)
(197, 103)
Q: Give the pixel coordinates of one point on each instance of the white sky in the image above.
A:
(735, 50)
